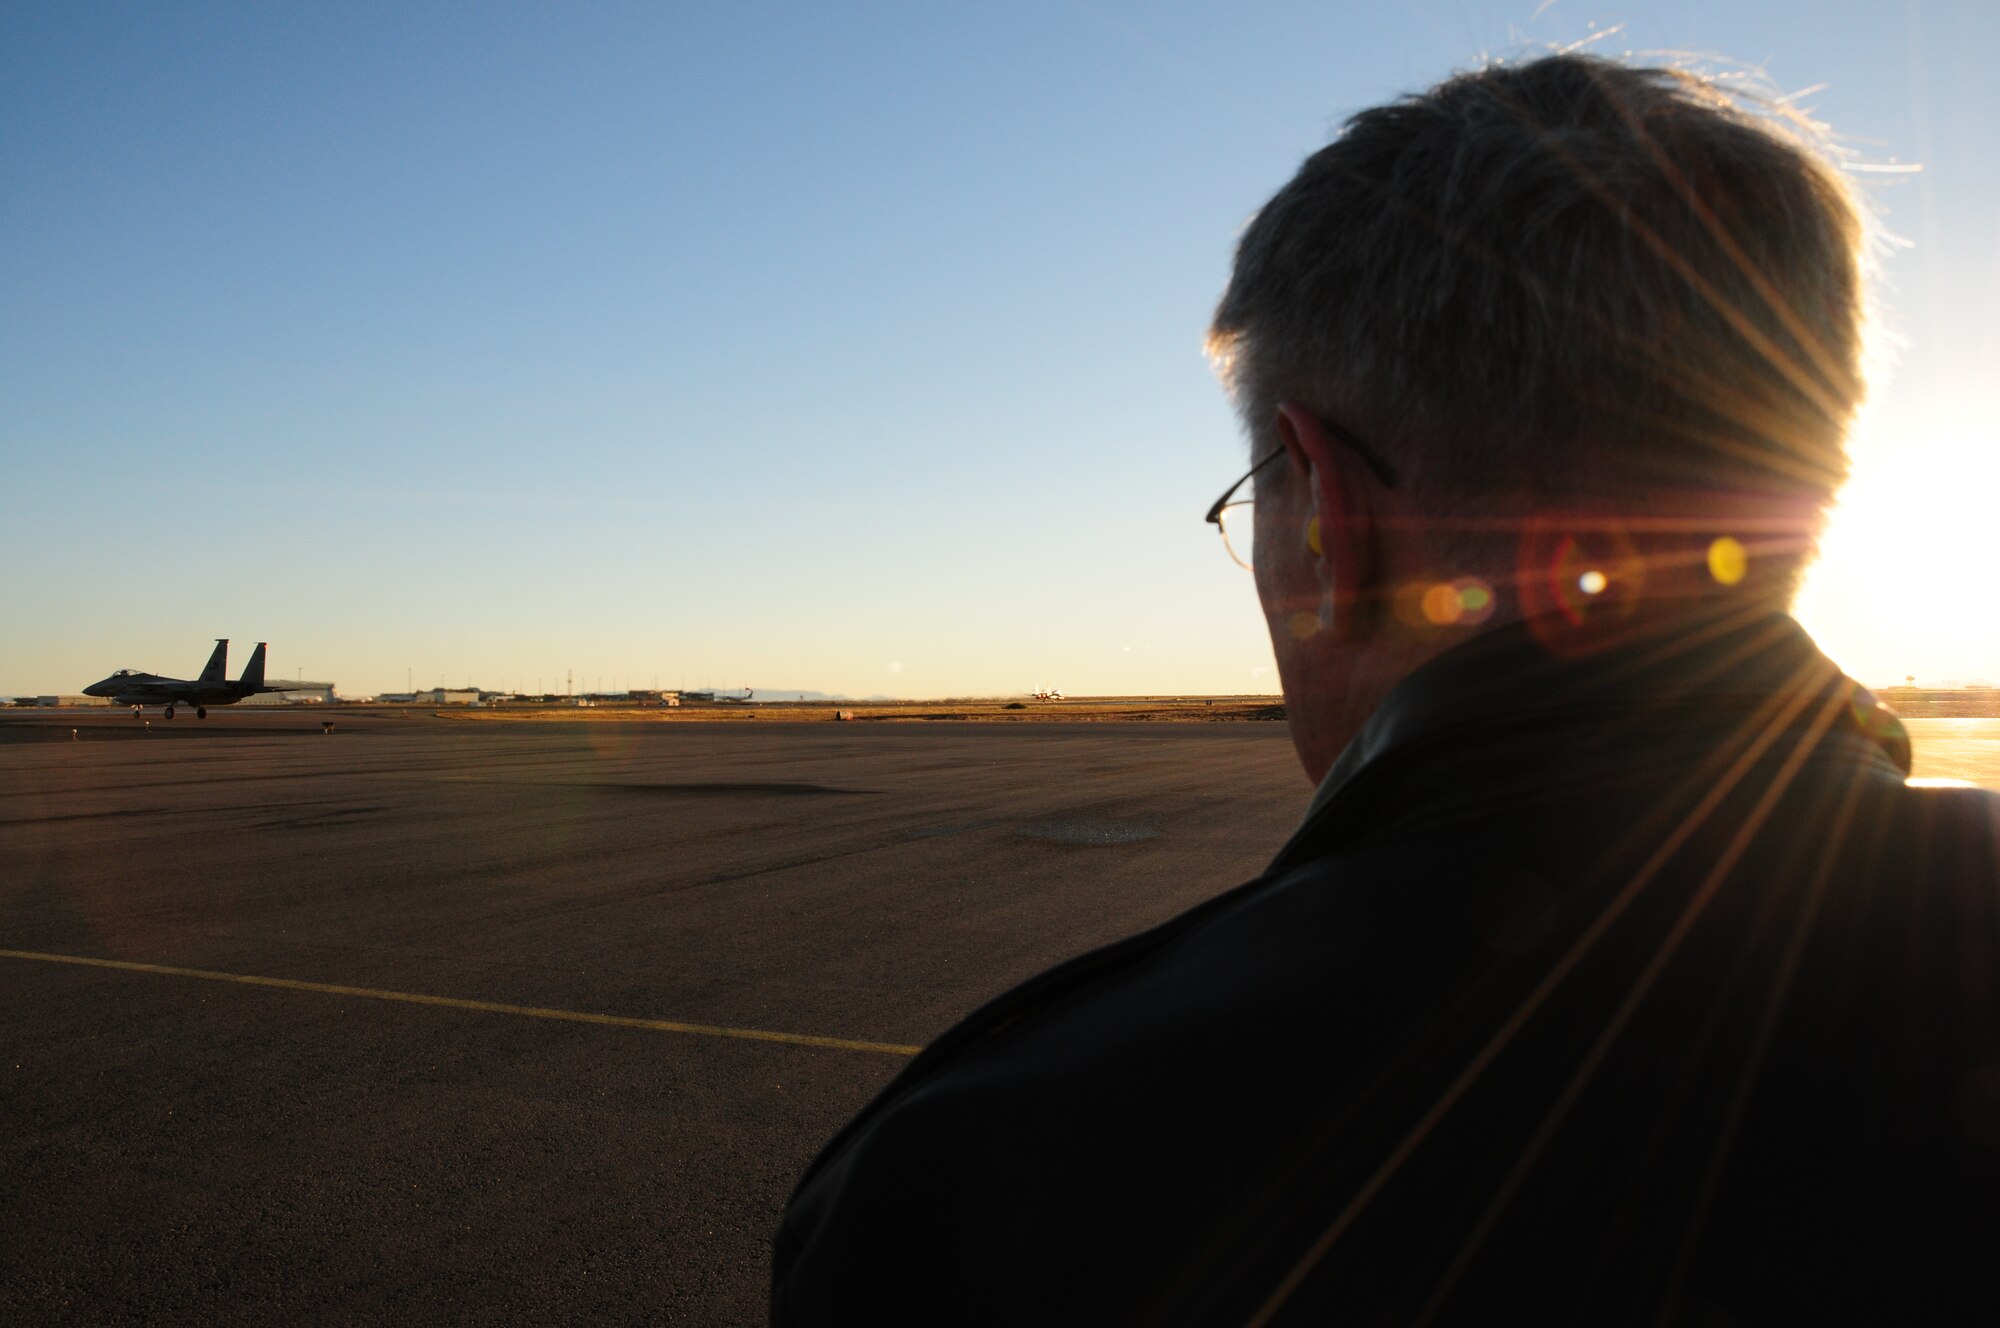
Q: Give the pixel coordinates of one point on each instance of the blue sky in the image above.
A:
(854, 348)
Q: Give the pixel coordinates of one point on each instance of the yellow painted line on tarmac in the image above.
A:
(486, 1007)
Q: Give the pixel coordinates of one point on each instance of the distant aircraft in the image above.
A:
(139, 690)
(1051, 694)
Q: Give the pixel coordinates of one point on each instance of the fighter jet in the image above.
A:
(139, 690)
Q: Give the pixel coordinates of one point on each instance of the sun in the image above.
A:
(1908, 579)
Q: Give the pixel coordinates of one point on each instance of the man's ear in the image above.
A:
(1340, 532)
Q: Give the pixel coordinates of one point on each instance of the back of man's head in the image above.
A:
(1563, 280)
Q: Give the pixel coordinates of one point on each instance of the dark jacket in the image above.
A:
(1630, 987)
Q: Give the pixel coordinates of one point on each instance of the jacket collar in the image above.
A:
(1694, 666)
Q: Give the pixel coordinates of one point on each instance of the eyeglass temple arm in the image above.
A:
(1214, 516)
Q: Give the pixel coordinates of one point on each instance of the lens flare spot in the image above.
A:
(1592, 582)
(1475, 600)
(1728, 561)
(1303, 626)
(1441, 605)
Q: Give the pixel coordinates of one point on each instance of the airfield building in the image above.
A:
(303, 693)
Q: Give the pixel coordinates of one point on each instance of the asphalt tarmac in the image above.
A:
(435, 1021)
(432, 1021)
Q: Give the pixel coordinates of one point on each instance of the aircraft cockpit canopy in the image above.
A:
(126, 673)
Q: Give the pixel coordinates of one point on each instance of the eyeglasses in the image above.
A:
(1236, 517)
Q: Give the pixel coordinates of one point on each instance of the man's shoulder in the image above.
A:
(1096, 1119)
(1434, 972)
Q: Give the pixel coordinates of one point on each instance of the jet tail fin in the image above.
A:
(218, 663)
(253, 672)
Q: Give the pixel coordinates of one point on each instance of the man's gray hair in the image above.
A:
(1564, 277)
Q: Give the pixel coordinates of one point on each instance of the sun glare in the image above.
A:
(1908, 579)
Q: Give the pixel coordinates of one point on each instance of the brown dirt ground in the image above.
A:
(1171, 709)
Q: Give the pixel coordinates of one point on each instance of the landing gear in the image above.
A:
(138, 712)
(201, 712)
(168, 713)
